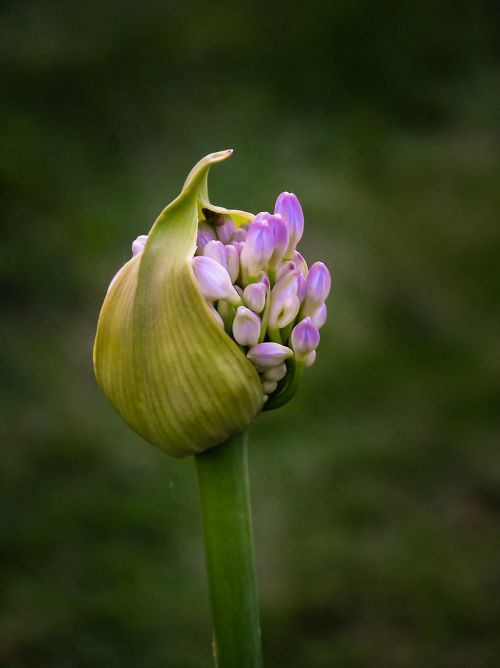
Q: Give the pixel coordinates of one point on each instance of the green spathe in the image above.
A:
(161, 359)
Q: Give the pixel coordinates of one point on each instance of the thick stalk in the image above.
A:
(227, 525)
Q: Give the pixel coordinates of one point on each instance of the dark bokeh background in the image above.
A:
(377, 491)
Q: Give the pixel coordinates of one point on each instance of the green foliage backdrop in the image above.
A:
(377, 491)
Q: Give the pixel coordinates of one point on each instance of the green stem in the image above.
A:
(225, 505)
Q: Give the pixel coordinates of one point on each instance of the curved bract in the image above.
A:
(161, 359)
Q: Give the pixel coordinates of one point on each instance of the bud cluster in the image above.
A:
(259, 288)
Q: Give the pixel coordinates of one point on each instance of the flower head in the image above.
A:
(211, 320)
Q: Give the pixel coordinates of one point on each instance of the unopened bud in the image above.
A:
(284, 308)
(246, 327)
(258, 247)
(214, 281)
(275, 373)
(319, 316)
(288, 206)
(266, 355)
(226, 230)
(217, 251)
(318, 284)
(139, 243)
(268, 386)
(254, 296)
(232, 262)
(310, 358)
(304, 338)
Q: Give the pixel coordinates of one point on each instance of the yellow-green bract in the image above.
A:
(159, 356)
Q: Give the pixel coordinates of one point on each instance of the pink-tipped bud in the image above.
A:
(319, 316)
(280, 235)
(214, 281)
(318, 284)
(300, 263)
(206, 233)
(288, 206)
(288, 281)
(246, 327)
(239, 235)
(254, 296)
(276, 373)
(301, 288)
(226, 230)
(139, 243)
(267, 355)
(217, 251)
(304, 338)
(232, 262)
(284, 308)
(258, 247)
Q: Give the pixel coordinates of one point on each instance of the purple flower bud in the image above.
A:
(310, 358)
(301, 288)
(267, 355)
(318, 283)
(275, 373)
(214, 281)
(216, 316)
(232, 262)
(258, 247)
(226, 230)
(288, 281)
(239, 235)
(300, 263)
(268, 386)
(280, 235)
(246, 327)
(319, 316)
(254, 296)
(201, 241)
(139, 243)
(286, 268)
(284, 308)
(288, 206)
(206, 233)
(217, 251)
(304, 338)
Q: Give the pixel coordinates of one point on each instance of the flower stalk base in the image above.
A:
(225, 504)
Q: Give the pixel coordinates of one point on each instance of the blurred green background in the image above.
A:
(376, 493)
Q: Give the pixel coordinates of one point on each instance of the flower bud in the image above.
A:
(275, 373)
(284, 308)
(217, 251)
(160, 356)
(232, 262)
(288, 206)
(239, 235)
(139, 243)
(226, 230)
(310, 358)
(258, 247)
(300, 263)
(268, 386)
(214, 281)
(280, 237)
(266, 355)
(304, 338)
(318, 283)
(254, 296)
(319, 316)
(246, 327)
